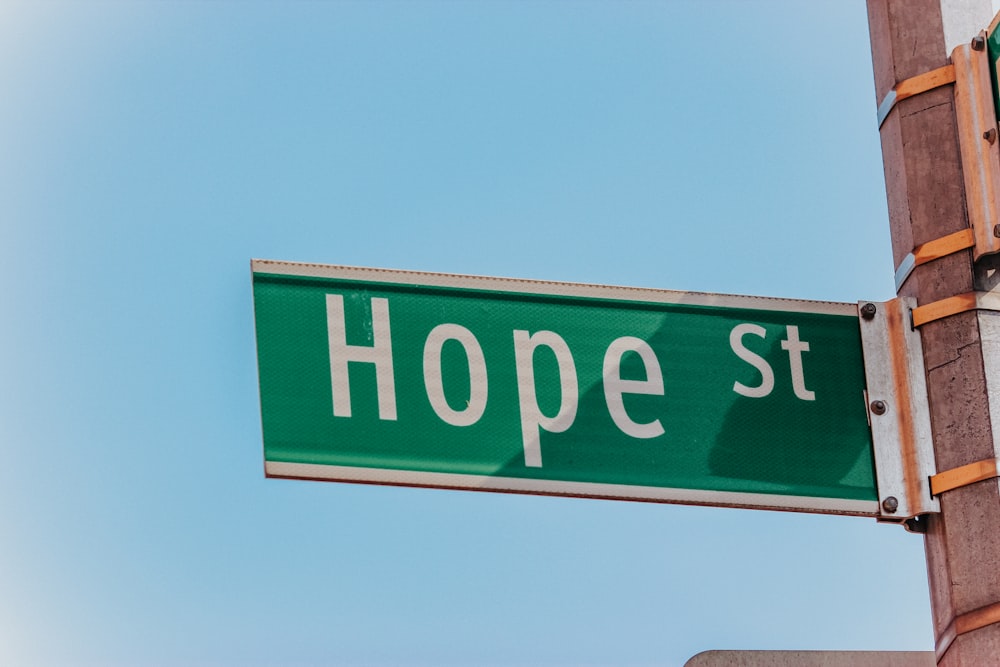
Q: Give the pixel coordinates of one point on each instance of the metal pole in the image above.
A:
(927, 201)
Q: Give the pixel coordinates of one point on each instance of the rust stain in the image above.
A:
(904, 407)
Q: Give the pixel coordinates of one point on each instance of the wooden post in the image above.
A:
(926, 196)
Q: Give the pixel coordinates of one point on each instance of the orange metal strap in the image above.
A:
(926, 252)
(946, 245)
(963, 476)
(945, 308)
(963, 623)
(914, 86)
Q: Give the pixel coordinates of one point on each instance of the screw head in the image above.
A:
(879, 407)
(978, 43)
(890, 505)
(868, 310)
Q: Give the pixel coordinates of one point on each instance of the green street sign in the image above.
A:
(422, 379)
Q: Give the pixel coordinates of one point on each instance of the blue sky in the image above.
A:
(150, 150)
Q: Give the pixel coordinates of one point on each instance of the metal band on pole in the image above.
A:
(926, 252)
(954, 305)
(961, 476)
(921, 83)
(963, 623)
(944, 308)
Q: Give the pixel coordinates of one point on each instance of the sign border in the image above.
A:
(652, 494)
(548, 288)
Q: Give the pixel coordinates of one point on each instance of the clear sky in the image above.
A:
(148, 151)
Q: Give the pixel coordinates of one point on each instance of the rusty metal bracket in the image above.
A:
(954, 305)
(926, 252)
(965, 475)
(921, 83)
(977, 139)
(898, 411)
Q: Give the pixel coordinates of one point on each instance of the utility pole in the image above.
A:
(927, 195)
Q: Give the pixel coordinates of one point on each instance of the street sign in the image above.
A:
(419, 379)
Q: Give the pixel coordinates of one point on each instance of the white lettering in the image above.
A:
(379, 353)
(532, 418)
(795, 348)
(435, 384)
(755, 360)
(615, 386)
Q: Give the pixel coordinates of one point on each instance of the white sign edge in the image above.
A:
(549, 288)
(393, 477)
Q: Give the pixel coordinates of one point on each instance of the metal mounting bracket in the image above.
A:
(897, 410)
(977, 138)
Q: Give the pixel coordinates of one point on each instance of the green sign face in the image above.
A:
(431, 380)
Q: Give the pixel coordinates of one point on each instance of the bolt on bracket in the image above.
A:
(897, 410)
